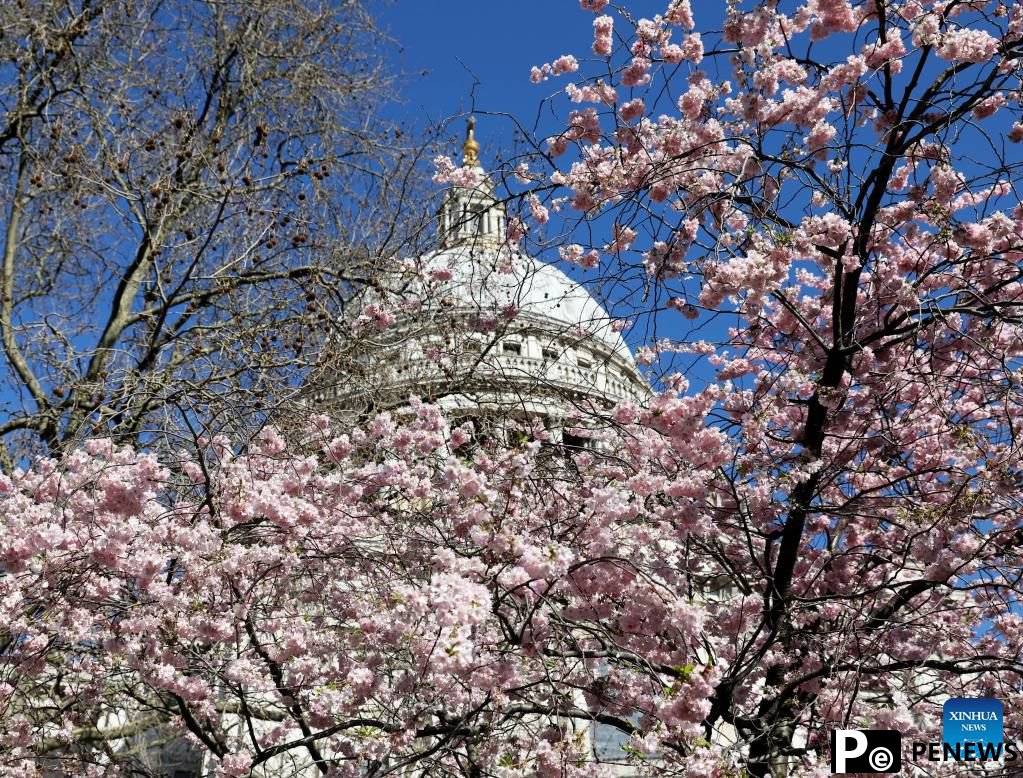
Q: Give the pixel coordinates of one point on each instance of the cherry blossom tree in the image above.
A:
(189, 191)
(813, 206)
(368, 601)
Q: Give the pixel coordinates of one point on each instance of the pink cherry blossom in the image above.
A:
(968, 45)
(631, 110)
(377, 316)
(680, 12)
(538, 211)
(446, 172)
(810, 522)
(636, 74)
(603, 29)
(564, 64)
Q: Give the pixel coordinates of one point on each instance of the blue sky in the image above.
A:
(459, 43)
(458, 56)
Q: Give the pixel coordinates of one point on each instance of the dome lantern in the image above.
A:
(472, 216)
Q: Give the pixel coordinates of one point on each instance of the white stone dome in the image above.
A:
(513, 285)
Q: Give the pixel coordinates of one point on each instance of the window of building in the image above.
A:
(575, 442)
(471, 346)
(511, 347)
(584, 363)
(610, 744)
(550, 354)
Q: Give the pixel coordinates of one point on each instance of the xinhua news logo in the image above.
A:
(974, 725)
(971, 731)
(866, 751)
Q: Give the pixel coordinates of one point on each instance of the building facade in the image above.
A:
(495, 337)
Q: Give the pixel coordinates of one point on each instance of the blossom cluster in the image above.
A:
(372, 585)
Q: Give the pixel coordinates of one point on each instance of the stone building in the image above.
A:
(493, 336)
(486, 331)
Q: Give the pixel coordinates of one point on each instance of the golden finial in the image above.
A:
(471, 148)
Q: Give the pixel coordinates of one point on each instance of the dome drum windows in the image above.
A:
(572, 443)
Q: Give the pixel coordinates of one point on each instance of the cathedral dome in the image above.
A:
(483, 328)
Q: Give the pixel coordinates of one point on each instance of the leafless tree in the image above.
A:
(189, 192)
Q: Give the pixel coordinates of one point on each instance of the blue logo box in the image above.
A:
(972, 721)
